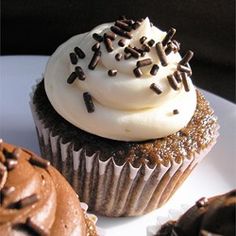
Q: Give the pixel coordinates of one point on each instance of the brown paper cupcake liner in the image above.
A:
(92, 220)
(107, 188)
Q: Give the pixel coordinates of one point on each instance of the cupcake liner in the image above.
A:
(93, 219)
(110, 189)
(172, 215)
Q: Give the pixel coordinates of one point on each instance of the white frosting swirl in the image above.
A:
(125, 106)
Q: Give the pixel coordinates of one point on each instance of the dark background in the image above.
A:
(207, 27)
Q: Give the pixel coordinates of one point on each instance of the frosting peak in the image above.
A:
(135, 78)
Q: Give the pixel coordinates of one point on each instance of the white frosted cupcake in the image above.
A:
(118, 115)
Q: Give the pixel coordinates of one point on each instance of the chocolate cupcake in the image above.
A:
(212, 216)
(36, 199)
(117, 114)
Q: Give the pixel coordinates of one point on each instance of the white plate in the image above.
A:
(214, 175)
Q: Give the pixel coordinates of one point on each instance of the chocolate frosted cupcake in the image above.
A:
(213, 216)
(118, 116)
(36, 199)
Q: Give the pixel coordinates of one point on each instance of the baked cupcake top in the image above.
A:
(209, 216)
(36, 199)
(123, 81)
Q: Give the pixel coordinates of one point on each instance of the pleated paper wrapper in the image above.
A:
(107, 188)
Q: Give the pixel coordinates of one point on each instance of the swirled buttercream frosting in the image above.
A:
(35, 199)
(124, 81)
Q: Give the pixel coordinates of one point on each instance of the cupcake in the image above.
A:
(117, 114)
(36, 199)
(213, 216)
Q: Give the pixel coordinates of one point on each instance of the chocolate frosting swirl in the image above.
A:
(35, 198)
(209, 216)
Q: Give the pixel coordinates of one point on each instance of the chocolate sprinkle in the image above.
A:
(190, 72)
(185, 82)
(175, 111)
(27, 201)
(2, 157)
(132, 51)
(95, 47)
(118, 56)
(146, 48)
(172, 82)
(155, 88)
(108, 44)
(88, 102)
(79, 52)
(36, 228)
(123, 17)
(121, 42)
(129, 22)
(12, 155)
(128, 56)
(95, 59)
(11, 164)
(16, 153)
(112, 72)
(168, 36)
(187, 57)
(177, 76)
(2, 169)
(184, 69)
(98, 37)
(135, 25)
(154, 69)
(80, 73)
(140, 51)
(169, 48)
(151, 42)
(144, 62)
(71, 78)
(161, 54)
(177, 45)
(123, 25)
(121, 32)
(110, 35)
(73, 58)
(202, 202)
(142, 39)
(6, 191)
(137, 72)
(34, 160)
